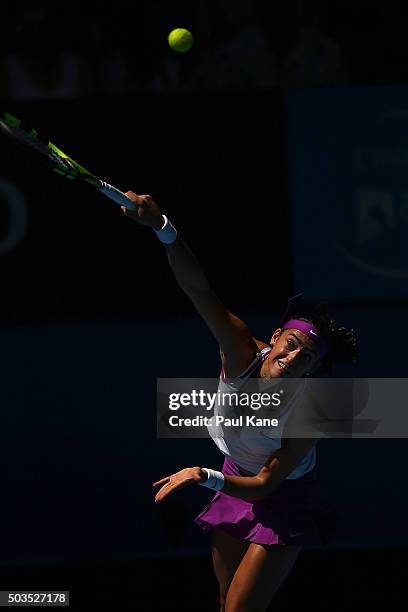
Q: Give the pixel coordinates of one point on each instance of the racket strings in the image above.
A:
(62, 165)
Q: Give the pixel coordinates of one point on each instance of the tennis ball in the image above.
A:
(180, 40)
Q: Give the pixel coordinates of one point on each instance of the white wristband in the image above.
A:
(215, 480)
(167, 234)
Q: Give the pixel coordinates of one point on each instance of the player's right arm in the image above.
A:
(236, 343)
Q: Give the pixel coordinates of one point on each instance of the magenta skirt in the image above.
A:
(294, 514)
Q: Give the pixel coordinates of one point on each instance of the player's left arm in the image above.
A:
(250, 488)
(275, 470)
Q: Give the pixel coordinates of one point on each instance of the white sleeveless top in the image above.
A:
(250, 447)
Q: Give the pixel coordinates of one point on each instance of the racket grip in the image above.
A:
(116, 195)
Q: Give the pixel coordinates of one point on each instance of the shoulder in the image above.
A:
(254, 358)
(261, 344)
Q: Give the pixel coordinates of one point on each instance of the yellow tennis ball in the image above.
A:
(180, 40)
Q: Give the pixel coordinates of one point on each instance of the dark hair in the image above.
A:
(342, 341)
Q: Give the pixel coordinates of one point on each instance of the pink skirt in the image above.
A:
(293, 514)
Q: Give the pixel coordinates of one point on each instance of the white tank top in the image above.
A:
(251, 447)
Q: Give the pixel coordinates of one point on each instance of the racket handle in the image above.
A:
(116, 195)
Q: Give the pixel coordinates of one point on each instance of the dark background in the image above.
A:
(202, 160)
(89, 311)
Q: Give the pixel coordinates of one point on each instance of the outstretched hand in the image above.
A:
(166, 486)
(146, 213)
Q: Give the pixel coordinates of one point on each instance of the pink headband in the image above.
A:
(311, 332)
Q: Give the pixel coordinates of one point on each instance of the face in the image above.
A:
(293, 355)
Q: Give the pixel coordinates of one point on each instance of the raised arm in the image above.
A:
(236, 343)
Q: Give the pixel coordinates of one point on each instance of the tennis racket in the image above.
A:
(57, 160)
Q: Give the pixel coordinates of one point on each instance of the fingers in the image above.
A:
(140, 200)
(166, 486)
(133, 197)
(172, 483)
(161, 482)
(165, 491)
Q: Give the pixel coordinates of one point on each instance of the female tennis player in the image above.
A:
(267, 495)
